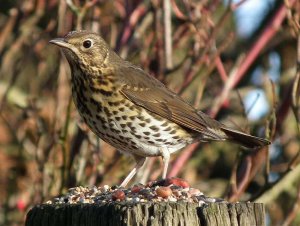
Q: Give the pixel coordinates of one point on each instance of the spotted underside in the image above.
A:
(123, 124)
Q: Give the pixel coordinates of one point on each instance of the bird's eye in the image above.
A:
(87, 44)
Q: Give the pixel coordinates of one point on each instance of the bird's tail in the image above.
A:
(244, 139)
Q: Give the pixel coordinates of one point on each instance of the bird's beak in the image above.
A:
(61, 42)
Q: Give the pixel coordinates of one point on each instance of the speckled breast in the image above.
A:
(126, 126)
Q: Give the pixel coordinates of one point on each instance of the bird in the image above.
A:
(133, 111)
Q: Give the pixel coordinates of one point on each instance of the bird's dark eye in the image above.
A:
(87, 44)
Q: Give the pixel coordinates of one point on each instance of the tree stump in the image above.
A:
(150, 213)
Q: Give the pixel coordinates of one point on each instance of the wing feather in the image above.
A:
(151, 94)
(147, 92)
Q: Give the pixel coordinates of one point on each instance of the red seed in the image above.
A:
(177, 181)
(164, 192)
(136, 188)
(118, 195)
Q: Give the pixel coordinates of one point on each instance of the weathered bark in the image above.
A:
(154, 214)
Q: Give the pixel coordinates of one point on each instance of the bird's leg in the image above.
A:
(139, 163)
(165, 154)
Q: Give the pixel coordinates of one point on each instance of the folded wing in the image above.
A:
(152, 95)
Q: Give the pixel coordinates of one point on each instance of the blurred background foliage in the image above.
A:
(236, 60)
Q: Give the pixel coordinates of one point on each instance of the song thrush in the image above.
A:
(131, 110)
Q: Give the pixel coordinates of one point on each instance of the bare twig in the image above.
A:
(249, 166)
(296, 88)
(73, 7)
(168, 33)
(80, 12)
(221, 69)
(62, 7)
(6, 31)
(134, 17)
(232, 187)
(271, 130)
(159, 45)
(177, 11)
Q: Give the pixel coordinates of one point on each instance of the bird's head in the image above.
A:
(84, 49)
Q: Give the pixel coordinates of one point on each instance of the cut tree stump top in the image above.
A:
(154, 214)
(168, 202)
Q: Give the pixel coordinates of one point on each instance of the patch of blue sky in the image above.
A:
(273, 71)
(275, 65)
(256, 104)
(255, 101)
(250, 14)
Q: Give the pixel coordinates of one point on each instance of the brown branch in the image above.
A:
(133, 18)
(80, 12)
(62, 7)
(177, 11)
(8, 27)
(249, 168)
(168, 33)
(159, 45)
(221, 69)
(296, 88)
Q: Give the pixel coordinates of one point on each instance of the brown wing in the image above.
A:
(147, 92)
